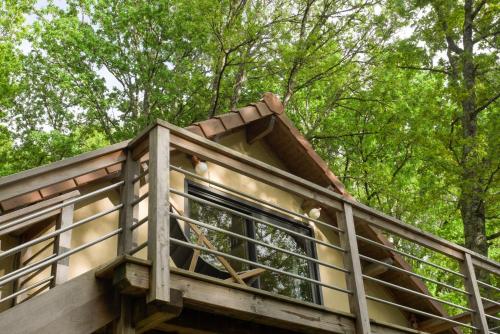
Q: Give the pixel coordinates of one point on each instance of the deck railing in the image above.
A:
(446, 277)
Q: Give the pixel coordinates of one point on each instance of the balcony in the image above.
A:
(135, 238)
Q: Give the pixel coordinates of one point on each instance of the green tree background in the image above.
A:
(399, 97)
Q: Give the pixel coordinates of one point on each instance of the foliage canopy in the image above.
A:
(378, 87)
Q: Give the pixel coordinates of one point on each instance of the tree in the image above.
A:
(466, 32)
(409, 121)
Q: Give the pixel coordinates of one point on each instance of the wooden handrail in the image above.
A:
(191, 143)
(37, 178)
(323, 195)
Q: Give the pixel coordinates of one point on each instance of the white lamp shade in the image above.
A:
(201, 168)
(314, 213)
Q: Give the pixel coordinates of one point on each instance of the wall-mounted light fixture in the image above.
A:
(311, 209)
(314, 213)
(200, 167)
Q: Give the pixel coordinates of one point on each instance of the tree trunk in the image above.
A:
(220, 67)
(472, 194)
(241, 75)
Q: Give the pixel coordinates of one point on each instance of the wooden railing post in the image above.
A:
(475, 302)
(348, 241)
(62, 243)
(128, 213)
(158, 214)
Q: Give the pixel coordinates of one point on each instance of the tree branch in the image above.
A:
(452, 45)
(493, 236)
(484, 36)
(486, 104)
(430, 69)
(478, 8)
(342, 135)
(490, 179)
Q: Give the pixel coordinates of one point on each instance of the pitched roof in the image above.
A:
(300, 157)
(285, 139)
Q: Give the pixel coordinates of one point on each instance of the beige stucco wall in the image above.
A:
(6, 266)
(105, 251)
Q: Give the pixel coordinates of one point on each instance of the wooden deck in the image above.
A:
(88, 304)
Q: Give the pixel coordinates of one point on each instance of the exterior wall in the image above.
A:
(102, 252)
(105, 251)
(34, 254)
(6, 265)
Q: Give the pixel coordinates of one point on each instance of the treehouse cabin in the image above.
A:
(231, 225)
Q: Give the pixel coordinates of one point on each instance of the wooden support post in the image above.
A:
(348, 241)
(148, 316)
(124, 324)
(478, 318)
(62, 244)
(158, 214)
(129, 213)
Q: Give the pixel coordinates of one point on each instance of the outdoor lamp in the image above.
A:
(314, 213)
(200, 167)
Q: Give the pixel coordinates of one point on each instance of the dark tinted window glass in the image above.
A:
(269, 281)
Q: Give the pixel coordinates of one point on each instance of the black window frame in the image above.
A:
(250, 208)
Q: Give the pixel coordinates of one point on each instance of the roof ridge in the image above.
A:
(269, 104)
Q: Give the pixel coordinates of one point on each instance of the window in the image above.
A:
(269, 281)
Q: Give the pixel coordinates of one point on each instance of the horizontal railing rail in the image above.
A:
(257, 242)
(218, 155)
(33, 266)
(203, 148)
(261, 221)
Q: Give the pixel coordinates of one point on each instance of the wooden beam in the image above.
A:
(246, 305)
(247, 274)
(475, 302)
(62, 244)
(106, 271)
(132, 279)
(375, 269)
(79, 306)
(124, 324)
(257, 306)
(196, 255)
(260, 128)
(439, 326)
(38, 178)
(197, 322)
(129, 213)
(130, 275)
(354, 280)
(37, 207)
(159, 213)
(150, 315)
